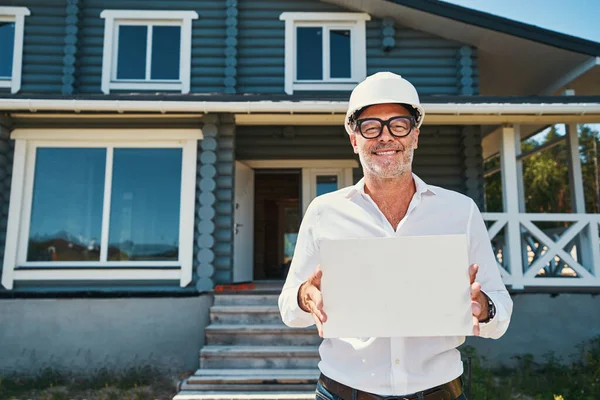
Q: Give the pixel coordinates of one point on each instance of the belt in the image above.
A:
(447, 391)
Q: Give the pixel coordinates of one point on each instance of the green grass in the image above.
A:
(145, 383)
(528, 379)
(550, 378)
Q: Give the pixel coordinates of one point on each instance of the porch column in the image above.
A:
(575, 176)
(587, 243)
(512, 191)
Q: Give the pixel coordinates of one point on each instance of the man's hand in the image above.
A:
(311, 300)
(479, 302)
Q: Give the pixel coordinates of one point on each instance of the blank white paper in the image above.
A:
(398, 286)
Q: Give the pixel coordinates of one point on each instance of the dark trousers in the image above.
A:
(323, 394)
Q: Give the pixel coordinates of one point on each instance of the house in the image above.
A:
(153, 150)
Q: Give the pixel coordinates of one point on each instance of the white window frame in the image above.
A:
(17, 268)
(16, 15)
(355, 22)
(116, 18)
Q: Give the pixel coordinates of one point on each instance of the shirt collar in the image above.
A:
(421, 187)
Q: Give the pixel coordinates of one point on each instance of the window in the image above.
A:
(324, 51)
(109, 205)
(12, 23)
(319, 181)
(147, 50)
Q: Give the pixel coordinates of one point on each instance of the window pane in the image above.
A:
(144, 210)
(131, 61)
(166, 41)
(7, 46)
(326, 184)
(340, 60)
(309, 55)
(66, 212)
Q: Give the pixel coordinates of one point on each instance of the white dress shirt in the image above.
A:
(397, 365)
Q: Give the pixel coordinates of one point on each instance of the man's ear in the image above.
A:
(353, 142)
(416, 138)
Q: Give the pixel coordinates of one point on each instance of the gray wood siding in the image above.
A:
(429, 62)
(473, 164)
(224, 208)
(261, 44)
(43, 45)
(439, 160)
(208, 41)
(6, 157)
(233, 49)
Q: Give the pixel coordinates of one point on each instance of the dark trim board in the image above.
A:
(298, 97)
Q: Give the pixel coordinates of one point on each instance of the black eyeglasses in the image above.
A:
(372, 128)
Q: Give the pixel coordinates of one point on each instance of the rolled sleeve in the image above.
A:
(304, 263)
(482, 254)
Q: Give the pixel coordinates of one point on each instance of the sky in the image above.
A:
(573, 17)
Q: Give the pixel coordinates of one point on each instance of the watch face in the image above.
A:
(491, 309)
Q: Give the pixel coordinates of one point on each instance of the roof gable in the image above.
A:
(515, 58)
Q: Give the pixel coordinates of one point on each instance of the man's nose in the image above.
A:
(385, 136)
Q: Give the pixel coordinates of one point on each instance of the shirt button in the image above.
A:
(397, 361)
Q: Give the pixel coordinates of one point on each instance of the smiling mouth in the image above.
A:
(385, 152)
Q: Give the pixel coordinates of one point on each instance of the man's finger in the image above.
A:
(475, 290)
(319, 325)
(473, 272)
(315, 295)
(315, 310)
(316, 278)
(475, 326)
(476, 309)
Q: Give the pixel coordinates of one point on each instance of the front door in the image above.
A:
(243, 230)
(277, 214)
(270, 198)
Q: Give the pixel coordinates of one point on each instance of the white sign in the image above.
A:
(398, 286)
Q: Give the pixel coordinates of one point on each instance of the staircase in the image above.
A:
(251, 354)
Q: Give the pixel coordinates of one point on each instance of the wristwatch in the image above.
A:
(491, 310)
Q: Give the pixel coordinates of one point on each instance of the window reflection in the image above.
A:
(165, 52)
(7, 46)
(145, 205)
(326, 184)
(309, 57)
(66, 211)
(131, 61)
(339, 56)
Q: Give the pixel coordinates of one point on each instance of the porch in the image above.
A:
(546, 251)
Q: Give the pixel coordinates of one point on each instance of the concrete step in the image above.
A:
(246, 298)
(286, 375)
(267, 334)
(268, 357)
(238, 387)
(245, 315)
(233, 395)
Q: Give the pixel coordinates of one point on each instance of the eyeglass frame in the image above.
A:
(383, 123)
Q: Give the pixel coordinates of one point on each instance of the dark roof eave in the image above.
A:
(504, 25)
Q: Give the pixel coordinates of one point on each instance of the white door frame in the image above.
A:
(243, 229)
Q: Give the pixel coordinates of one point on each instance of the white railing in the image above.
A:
(562, 250)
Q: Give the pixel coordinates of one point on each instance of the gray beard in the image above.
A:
(387, 171)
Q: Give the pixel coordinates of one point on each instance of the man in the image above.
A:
(383, 121)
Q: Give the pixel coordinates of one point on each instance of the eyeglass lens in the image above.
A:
(398, 126)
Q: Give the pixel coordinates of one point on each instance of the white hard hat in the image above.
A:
(382, 88)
